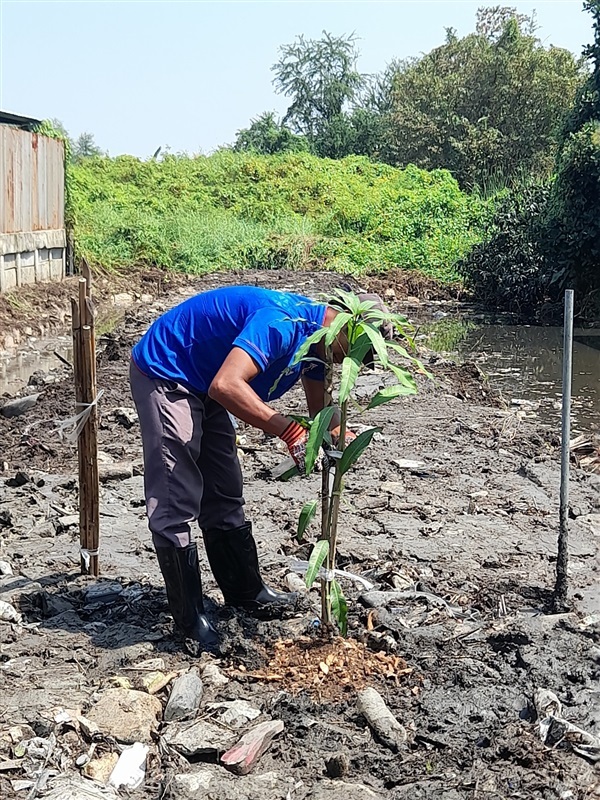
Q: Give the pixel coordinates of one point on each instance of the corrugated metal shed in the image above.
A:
(27, 123)
(32, 194)
(32, 204)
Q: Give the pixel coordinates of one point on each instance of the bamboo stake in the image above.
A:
(89, 487)
(84, 366)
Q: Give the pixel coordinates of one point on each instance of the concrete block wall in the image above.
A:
(31, 258)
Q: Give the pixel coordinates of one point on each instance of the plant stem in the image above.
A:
(336, 493)
(325, 496)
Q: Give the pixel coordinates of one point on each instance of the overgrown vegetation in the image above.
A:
(486, 106)
(545, 238)
(238, 210)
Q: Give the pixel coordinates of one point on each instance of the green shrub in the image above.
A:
(572, 226)
(291, 210)
(507, 270)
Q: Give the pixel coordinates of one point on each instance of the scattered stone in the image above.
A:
(125, 416)
(115, 472)
(100, 769)
(72, 787)
(127, 715)
(212, 676)
(336, 790)
(191, 786)
(199, 738)
(294, 583)
(408, 464)
(8, 613)
(185, 696)
(122, 299)
(5, 568)
(89, 729)
(66, 522)
(14, 408)
(337, 765)
(380, 719)
(234, 713)
(213, 782)
(243, 757)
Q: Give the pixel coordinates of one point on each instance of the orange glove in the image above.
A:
(295, 437)
(335, 436)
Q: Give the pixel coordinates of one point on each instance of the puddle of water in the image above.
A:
(525, 362)
(17, 368)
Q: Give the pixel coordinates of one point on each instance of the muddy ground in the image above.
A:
(455, 509)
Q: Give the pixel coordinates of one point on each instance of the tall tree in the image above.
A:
(320, 77)
(85, 147)
(572, 223)
(487, 106)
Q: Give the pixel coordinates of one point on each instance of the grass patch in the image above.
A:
(292, 211)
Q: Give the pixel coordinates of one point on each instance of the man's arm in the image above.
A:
(315, 399)
(231, 389)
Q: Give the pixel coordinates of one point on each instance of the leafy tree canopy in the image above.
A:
(320, 77)
(486, 106)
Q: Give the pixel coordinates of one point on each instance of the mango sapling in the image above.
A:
(361, 324)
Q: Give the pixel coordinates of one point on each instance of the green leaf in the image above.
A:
(336, 326)
(355, 449)
(377, 341)
(315, 562)
(306, 516)
(316, 435)
(389, 393)
(404, 376)
(339, 607)
(346, 300)
(350, 370)
(292, 472)
(306, 345)
(403, 352)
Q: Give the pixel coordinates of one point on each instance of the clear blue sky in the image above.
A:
(189, 74)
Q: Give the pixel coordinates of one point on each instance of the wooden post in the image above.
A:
(84, 365)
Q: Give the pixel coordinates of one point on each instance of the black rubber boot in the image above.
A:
(233, 558)
(181, 572)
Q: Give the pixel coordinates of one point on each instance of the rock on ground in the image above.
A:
(126, 714)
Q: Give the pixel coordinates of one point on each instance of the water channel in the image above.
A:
(525, 363)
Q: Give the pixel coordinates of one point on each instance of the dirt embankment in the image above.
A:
(452, 518)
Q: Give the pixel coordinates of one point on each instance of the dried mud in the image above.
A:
(455, 509)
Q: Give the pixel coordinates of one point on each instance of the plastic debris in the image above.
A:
(554, 730)
(130, 770)
(302, 567)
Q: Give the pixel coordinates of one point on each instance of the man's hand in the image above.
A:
(295, 437)
(335, 436)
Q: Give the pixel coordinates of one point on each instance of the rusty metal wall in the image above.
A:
(32, 182)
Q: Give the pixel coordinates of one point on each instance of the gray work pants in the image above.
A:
(191, 468)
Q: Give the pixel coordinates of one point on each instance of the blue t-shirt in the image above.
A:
(189, 343)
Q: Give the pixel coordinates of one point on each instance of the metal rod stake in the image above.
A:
(562, 561)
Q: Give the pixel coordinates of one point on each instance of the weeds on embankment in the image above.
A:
(290, 211)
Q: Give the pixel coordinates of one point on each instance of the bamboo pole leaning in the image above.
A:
(84, 367)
